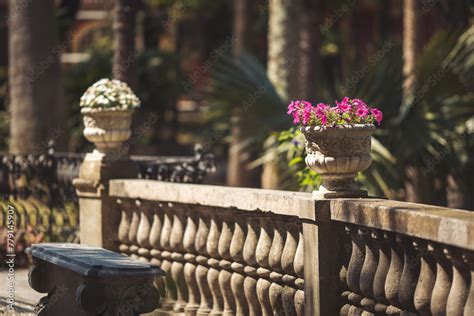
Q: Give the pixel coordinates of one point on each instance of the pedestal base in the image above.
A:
(325, 194)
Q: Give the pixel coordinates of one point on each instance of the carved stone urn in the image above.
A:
(107, 128)
(338, 153)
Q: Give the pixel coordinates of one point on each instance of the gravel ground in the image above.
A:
(25, 297)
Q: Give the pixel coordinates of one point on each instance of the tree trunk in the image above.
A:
(415, 182)
(283, 28)
(123, 67)
(282, 65)
(238, 173)
(419, 187)
(309, 44)
(240, 27)
(36, 97)
(410, 42)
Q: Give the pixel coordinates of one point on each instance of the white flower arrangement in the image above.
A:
(109, 94)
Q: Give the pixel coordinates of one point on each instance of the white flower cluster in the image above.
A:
(109, 94)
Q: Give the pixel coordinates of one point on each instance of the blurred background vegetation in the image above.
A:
(222, 72)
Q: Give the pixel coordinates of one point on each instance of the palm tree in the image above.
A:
(238, 173)
(36, 99)
(282, 66)
(309, 45)
(123, 67)
(415, 184)
(283, 30)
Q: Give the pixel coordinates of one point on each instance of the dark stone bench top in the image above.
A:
(93, 261)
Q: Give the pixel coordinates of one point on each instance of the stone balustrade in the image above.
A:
(219, 260)
(236, 251)
(403, 258)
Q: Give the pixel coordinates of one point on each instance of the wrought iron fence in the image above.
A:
(40, 188)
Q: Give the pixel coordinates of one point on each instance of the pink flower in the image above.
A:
(377, 115)
(344, 106)
(362, 110)
(321, 109)
(300, 110)
(296, 118)
(358, 102)
(324, 119)
(291, 108)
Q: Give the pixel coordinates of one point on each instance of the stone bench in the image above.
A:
(84, 280)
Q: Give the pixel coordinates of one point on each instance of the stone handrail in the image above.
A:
(259, 252)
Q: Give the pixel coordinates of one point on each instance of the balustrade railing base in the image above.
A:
(325, 194)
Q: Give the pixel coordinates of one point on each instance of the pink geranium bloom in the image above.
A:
(377, 115)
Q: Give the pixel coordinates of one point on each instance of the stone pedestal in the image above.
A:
(99, 216)
(82, 280)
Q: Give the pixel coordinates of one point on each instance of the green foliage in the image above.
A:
(427, 130)
(240, 86)
(288, 147)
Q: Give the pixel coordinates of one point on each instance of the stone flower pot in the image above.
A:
(338, 153)
(107, 128)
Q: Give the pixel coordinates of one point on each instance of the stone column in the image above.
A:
(322, 248)
(99, 214)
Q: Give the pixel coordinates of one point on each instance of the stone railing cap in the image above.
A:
(93, 261)
(439, 224)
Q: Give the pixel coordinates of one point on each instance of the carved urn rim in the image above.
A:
(345, 127)
(86, 111)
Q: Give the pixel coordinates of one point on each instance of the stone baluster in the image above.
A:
(132, 234)
(392, 283)
(287, 263)
(124, 226)
(202, 269)
(171, 292)
(213, 262)
(468, 257)
(461, 283)
(426, 279)
(155, 234)
(243, 287)
(189, 241)
(263, 251)
(355, 263)
(439, 297)
(249, 282)
(298, 266)
(143, 233)
(225, 274)
(154, 240)
(369, 267)
(410, 275)
(276, 276)
(346, 251)
(177, 257)
(383, 265)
